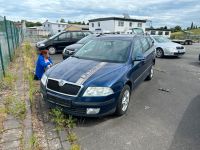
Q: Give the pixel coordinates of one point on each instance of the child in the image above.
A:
(44, 62)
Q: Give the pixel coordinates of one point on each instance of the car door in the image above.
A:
(148, 53)
(76, 36)
(137, 66)
(62, 41)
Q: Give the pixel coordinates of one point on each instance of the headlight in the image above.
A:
(98, 91)
(44, 79)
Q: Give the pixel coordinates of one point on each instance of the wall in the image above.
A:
(105, 26)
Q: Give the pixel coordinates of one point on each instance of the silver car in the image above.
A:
(165, 47)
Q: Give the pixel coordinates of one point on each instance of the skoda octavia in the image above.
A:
(99, 78)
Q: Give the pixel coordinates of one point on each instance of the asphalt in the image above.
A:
(164, 113)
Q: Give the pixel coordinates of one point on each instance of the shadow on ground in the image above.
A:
(187, 135)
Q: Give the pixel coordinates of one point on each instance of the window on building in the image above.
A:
(160, 33)
(92, 24)
(99, 24)
(166, 32)
(153, 33)
(44, 25)
(139, 24)
(48, 25)
(58, 25)
(120, 23)
(130, 24)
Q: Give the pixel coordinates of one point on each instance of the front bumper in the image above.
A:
(77, 106)
(174, 53)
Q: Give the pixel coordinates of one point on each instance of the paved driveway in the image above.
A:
(164, 113)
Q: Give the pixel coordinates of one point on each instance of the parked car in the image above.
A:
(71, 49)
(165, 47)
(98, 79)
(58, 42)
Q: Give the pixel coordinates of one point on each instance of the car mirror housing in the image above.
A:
(139, 57)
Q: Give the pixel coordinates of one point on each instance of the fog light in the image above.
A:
(93, 111)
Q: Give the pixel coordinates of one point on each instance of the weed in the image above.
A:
(71, 137)
(70, 122)
(58, 118)
(75, 147)
(15, 107)
(2, 117)
(8, 81)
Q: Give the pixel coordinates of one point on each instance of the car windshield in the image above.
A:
(85, 39)
(52, 37)
(105, 50)
(161, 39)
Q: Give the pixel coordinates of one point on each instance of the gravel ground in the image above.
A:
(164, 113)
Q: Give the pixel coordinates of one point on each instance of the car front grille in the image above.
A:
(67, 88)
(179, 47)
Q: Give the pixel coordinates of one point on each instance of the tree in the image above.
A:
(83, 23)
(176, 29)
(192, 26)
(62, 20)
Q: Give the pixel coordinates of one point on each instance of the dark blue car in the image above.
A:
(99, 78)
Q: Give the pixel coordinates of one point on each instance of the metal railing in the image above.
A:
(11, 36)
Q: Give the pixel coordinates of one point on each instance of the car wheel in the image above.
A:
(159, 53)
(123, 101)
(150, 76)
(52, 50)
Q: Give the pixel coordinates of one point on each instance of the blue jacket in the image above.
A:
(41, 65)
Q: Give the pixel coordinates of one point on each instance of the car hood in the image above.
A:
(82, 71)
(168, 44)
(74, 46)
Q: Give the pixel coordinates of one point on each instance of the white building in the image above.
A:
(163, 32)
(115, 24)
(54, 28)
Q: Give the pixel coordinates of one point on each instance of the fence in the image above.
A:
(10, 38)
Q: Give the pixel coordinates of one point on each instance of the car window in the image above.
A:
(86, 33)
(64, 36)
(77, 35)
(137, 48)
(150, 40)
(145, 44)
(105, 50)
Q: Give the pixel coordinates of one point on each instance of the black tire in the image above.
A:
(52, 50)
(159, 53)
(150, 76)
(119, 109)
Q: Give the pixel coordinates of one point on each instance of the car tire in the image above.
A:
(123, 101)
(52, 50)
(150, 76)
(159, 53)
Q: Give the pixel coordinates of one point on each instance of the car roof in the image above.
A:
(116, 36)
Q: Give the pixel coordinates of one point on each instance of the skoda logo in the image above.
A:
(61, 83)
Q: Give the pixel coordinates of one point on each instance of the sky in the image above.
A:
(161, 12)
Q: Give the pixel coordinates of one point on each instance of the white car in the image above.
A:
(165, 47)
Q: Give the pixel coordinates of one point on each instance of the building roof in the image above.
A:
(78, 25)
(55, 22)
(117, 18)
(158, 29)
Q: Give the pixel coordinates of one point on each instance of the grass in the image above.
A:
(8, 81)
(15, 107)
(71, 137)
(182, 35)
(34, 143)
